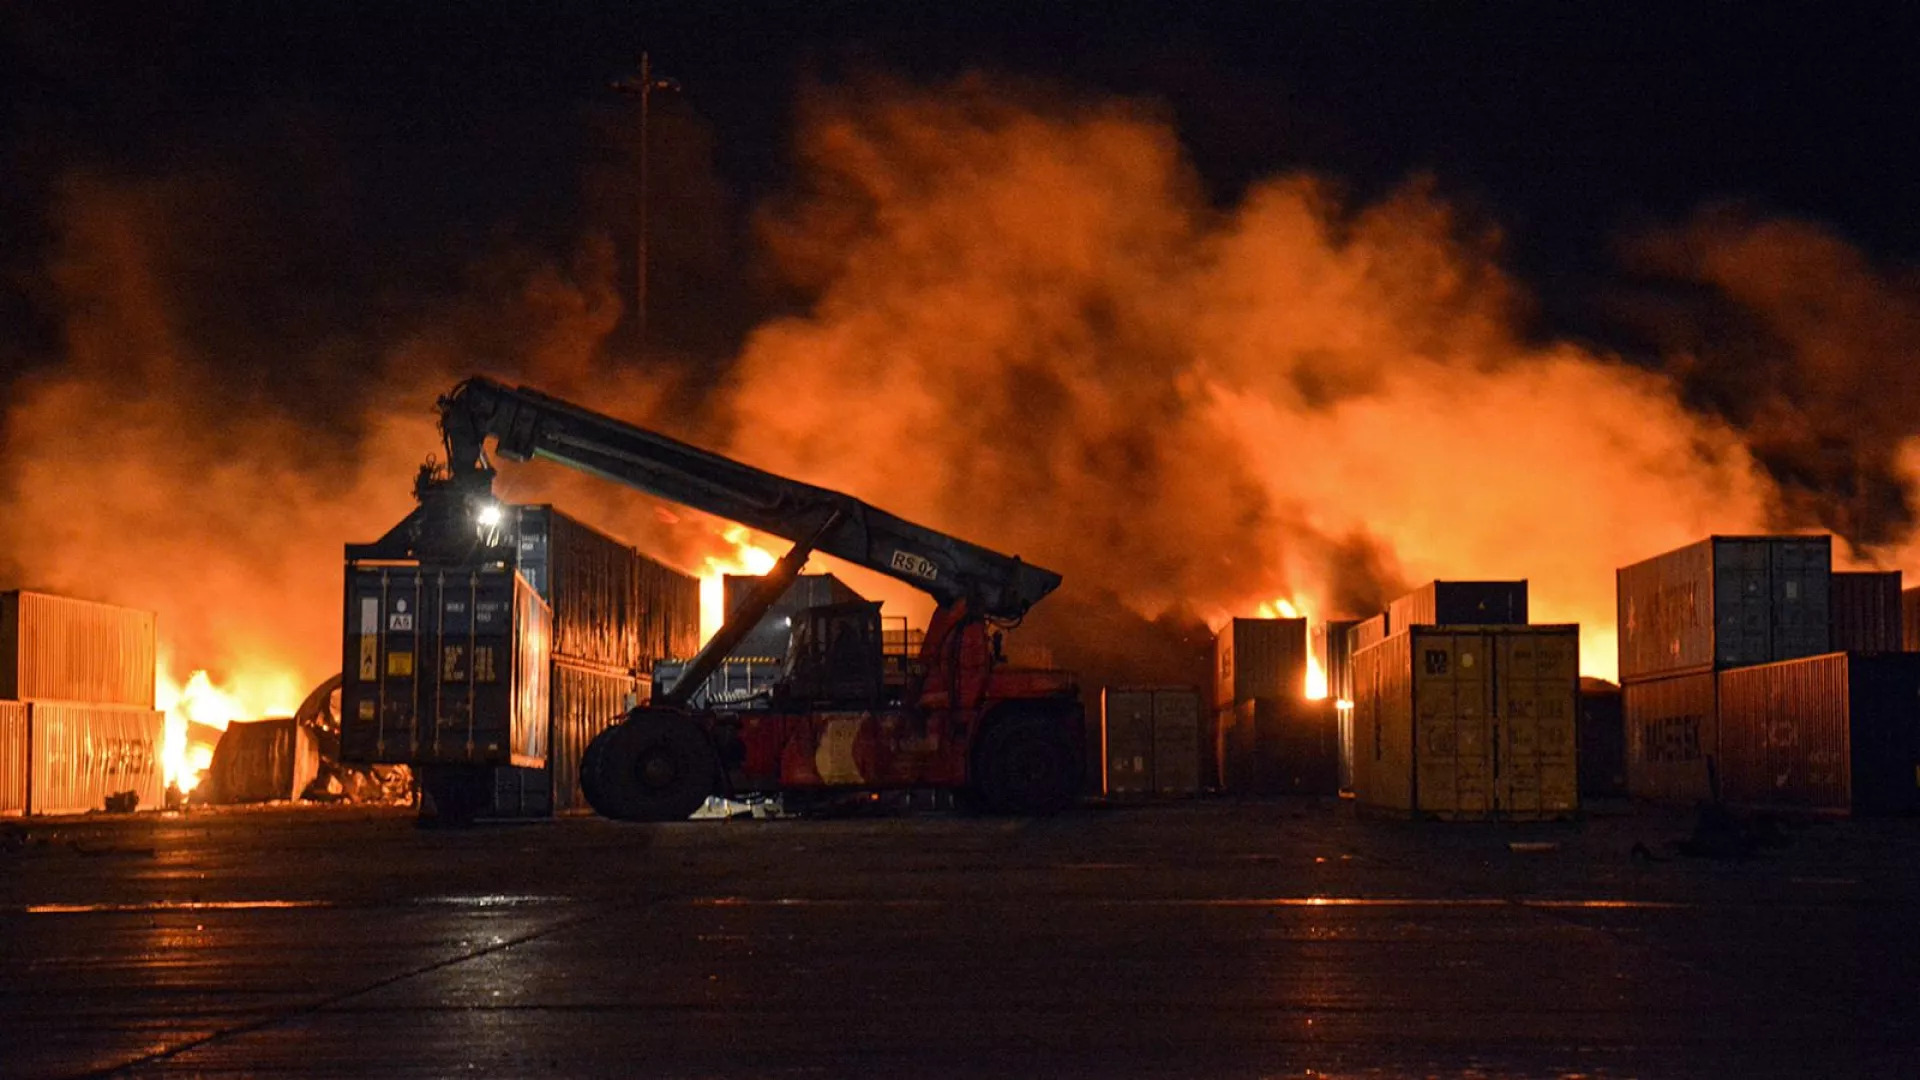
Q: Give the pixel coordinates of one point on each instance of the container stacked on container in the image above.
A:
(1269, 739)
(573, 623)
(1833, 733)
(1151, 741)
(78, 723)
(1464, 711)
(1685, 616)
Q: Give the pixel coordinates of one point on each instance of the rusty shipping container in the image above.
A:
(1256, 658)
(1832, 734)
(1367, 633)
(1865, 611)
(444, 666)
(1466, 723)
(586, 701)
(1910, 619)
(262, 761)
(1673, 738)
(61, 649)
(1603, 739)
(1295, 745)
(14, 762)
(612, 606)
(82, 753)
(1152, 741)
(1461, 603)
(1723, 602)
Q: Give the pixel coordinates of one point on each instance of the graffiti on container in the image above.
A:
(1670, 738)
(122, 757)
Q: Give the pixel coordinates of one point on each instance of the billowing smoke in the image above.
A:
(1030, 326)
(1022, 322)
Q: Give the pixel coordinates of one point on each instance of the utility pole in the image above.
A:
(644, 85)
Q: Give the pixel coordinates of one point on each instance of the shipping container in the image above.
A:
(612, 606)
(1833, 734)
(1179, 747)
(1723, 602)
(1333, 649)
(767, 642)
(444, 666)
(1673, 738)
(1469, 722)
(1343, 742)
(262, 761)
(1295, 745)
(586, 701)
(1126, 743)
(1865, 611)
(1603, 740)
(1461, 603)
(1910, 619)
(13, 758)
(1367, 633)
(60, 649)
(84, 753)
(1233, 752)
(1152, 741)
(1256, 658)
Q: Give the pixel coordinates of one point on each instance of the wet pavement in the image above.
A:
(1209, 939)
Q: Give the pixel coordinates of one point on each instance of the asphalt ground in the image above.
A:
(1202, 939)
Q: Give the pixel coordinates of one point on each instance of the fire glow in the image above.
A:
(198, 710)
(745, 557)
(1285, 608)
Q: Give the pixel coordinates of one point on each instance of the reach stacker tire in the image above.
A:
(1027, 766)
(651, 767)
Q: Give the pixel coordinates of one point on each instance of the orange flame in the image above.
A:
(197, 708)
(746, 557)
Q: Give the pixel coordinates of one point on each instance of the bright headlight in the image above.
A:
(489, 515)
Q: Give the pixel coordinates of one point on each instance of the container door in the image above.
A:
(1452, 724)
(1176, 742)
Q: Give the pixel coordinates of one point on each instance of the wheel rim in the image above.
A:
(658, 770)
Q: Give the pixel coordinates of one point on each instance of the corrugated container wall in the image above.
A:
(1367, 633)
(1724, 602)
(1233, 752)
(612, 606)
(1126, 743)
(1910, 619)
(13, 758)
(1865, 611)
(585, 703)
(62, 649)
(1256, 658)
(1178, 741)
(1838, 734)
(444, 666)
(1461, 603)
(84, 753)
(1673, 730)
(1469, 722)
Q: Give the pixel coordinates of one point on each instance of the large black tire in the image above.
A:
(1027, 766)
(653, 767)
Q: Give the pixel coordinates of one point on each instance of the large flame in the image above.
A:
(742, 556)
(198, 710)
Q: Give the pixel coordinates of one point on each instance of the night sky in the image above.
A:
(378, 151)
